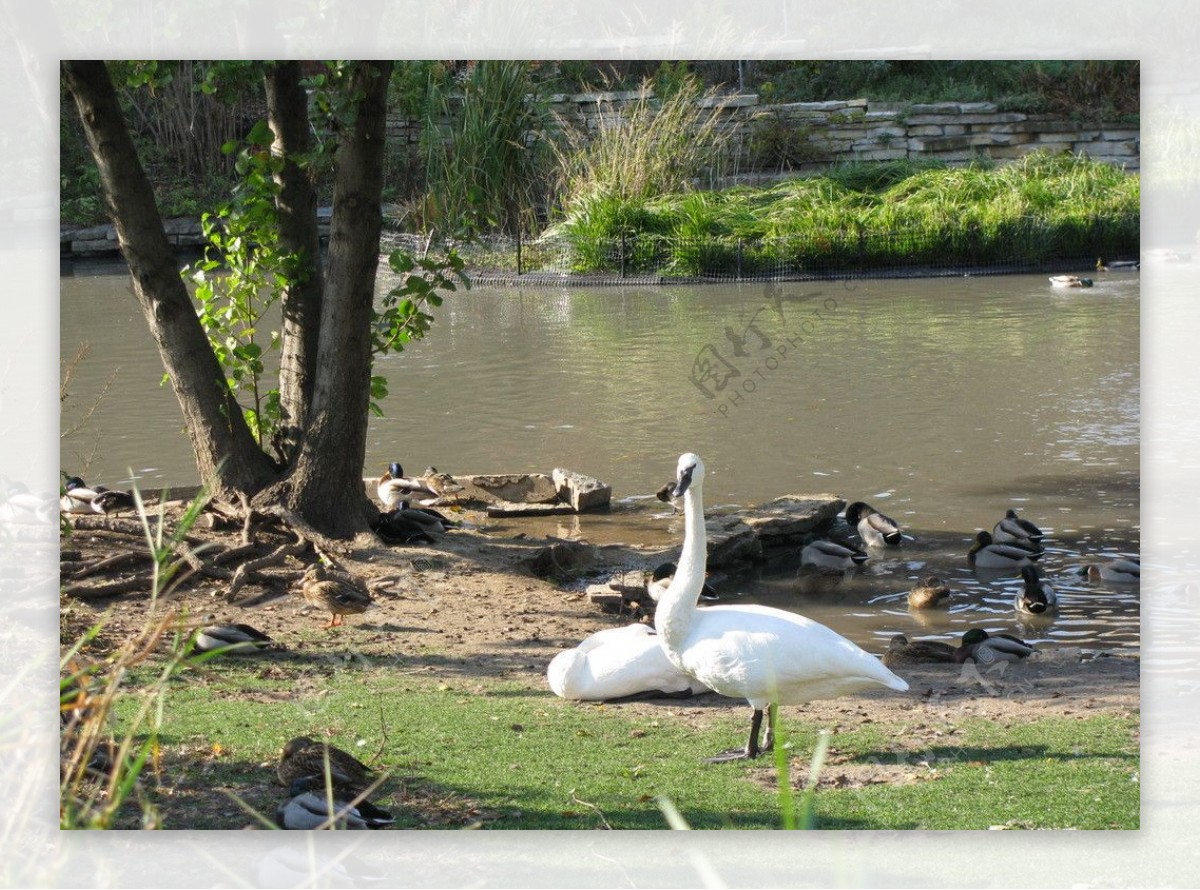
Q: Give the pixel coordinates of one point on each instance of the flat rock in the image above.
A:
(520, 488)
(580, 491)
(515, 508)
(787, 519)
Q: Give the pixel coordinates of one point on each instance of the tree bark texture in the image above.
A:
(287, 114)
(228, 459)
(325, 485)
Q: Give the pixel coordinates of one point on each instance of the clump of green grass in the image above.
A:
(1040, 208)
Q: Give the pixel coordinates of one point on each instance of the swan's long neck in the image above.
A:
(675, 609)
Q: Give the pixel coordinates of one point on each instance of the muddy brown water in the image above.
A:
(942, 402)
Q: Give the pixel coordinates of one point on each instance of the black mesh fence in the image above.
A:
(1025, 246)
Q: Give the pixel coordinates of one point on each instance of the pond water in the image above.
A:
(942, 402)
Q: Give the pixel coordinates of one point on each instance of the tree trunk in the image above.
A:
(287, 113)
(227, 456)
(325, 485)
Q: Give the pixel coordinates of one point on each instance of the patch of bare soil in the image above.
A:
(473, 608)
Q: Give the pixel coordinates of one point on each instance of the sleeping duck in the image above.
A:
(1012, 529)
(825, 554)
(1127, 570)
(661, 579)
(986, 554)
(232, 639)
(310, 810)
(984, 648)
(875, 529)
(78, 497)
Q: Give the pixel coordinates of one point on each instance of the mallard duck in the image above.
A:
(1070, 281)
(1118, 265)
(826, 554)
(233, 639)
(901, 651)
(875, 529)
(425, 514)
(78, 497)
(661, 579)
(769, 657)
(393, 487)
(984, 648)
(338, 593)
(310, 811)
(1118, 571)
(665, 495)
(302, 767)
(986, 554)
(929, 594)
(1015, 530)
(1035, 597)
(393, 527)
(22, 505)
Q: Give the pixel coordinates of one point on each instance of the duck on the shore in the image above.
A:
(984, 648)
(232, 639)
(930, 593)
(1126, 570)
(78, 497)
(1070, 281)
(393, 486)
(986, 554)
(875, 529)
(310, 810)
(338, 593)
(305, 763)
(826, 554)
(1035, 597)
(903, 651)
(393, 527)
(769, 657)
(1012, 529)
(664, 495)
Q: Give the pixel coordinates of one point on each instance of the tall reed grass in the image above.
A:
(100, 775)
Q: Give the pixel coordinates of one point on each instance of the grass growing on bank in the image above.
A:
(1040, 208)
(467, 751)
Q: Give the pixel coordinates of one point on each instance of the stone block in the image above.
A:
(731, 540)
(580, 491)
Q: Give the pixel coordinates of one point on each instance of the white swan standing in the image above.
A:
(619, 662)
(767, 656)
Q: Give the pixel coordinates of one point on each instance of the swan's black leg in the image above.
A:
(750, 751)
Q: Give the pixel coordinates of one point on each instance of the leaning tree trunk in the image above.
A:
(228, 458)
(325, 485)
(287, 113)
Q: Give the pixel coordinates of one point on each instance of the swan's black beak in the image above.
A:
(685, 480)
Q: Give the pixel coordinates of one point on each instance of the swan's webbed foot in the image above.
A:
(751, 750)
(730, 755)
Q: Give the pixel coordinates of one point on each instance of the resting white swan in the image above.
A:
(618, 663)
(767, 656)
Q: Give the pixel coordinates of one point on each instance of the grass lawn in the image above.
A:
(503, 755)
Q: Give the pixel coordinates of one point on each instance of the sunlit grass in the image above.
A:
(503, 755)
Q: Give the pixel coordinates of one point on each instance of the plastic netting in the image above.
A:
(1026, 246)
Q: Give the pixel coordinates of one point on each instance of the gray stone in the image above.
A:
(731, 540)
(517, 508)
(787, 519)
(523, 488)
(582, 492)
